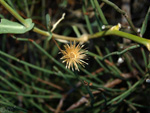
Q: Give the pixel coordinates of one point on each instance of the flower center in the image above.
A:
(72, 55)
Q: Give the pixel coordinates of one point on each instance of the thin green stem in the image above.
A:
(144, 58)
(64, 76)
(14, 106)
(99, 23)
(28, 74)
(100, 13)
(100, 63)
(38, 106)
(14, 87)
(3, 98)
(14, 13)
(129, 91)
(32, 7)
(92, 76)
(122, 12)
(135, 38)
(108, 52)
(128, 61)
(30, 95)
(26, 8)
(42, 32)
(76, 30)
(82, 38)
(113, 68)
(21, 82)
(136, 64)
(25, 63)
(144, 25)
(121, 52)
(87, 20)
(137, 105)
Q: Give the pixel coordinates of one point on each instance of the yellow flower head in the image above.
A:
(73, 56)
(116, 27)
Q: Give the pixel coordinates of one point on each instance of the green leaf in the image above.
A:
(48, 21)
(144, 25)
(7, 26)
(148, 66)
(48, 24)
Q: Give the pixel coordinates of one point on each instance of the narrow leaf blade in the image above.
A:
(144, 25)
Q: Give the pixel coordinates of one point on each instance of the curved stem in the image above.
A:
(123, 13)
(42, 32)
(83, 38)
(121, 34)
(13, 12)
(135, 38)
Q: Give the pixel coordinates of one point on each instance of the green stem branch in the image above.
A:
(135, 38)
(30, 95)
(123, 13)
(83, 38)
(13, 12)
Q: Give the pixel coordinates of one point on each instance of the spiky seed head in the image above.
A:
(73, 56)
